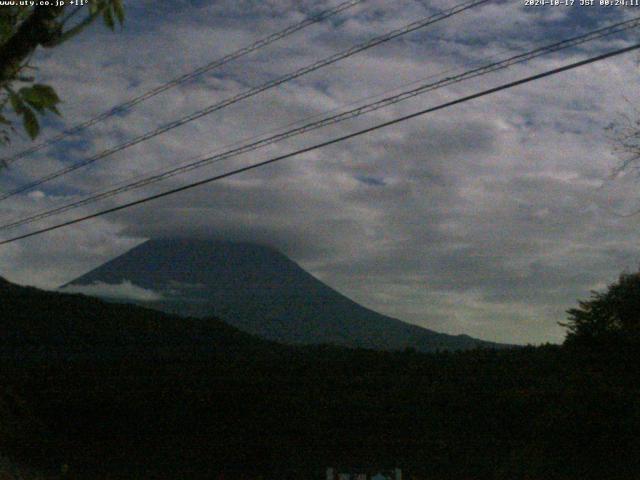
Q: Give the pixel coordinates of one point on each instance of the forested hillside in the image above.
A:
(239, 407)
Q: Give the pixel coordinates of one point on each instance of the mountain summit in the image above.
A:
(256, 289)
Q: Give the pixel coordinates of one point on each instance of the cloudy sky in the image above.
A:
(490, 218)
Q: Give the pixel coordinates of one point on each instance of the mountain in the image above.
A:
(36, 323)
(256, 289)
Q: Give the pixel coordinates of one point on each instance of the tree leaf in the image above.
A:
(55, 110)
(7, 25)
(40, 95)
(108, 18)
(38, 108)
(94, 7)
(118, 9)
(31, 124)
(29, 96)
(16, 102)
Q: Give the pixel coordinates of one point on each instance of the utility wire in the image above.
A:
(327, 143)
(251, 92)
(333, 119)
(214, 152)
(290, 30)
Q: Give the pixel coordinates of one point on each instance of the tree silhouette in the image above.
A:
(613, 315)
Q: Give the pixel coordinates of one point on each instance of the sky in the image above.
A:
(490, 218)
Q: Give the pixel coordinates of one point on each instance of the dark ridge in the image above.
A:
(119, 391)
(39, 322)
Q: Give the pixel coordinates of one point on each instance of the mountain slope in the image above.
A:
(42, 322)
(258, 290)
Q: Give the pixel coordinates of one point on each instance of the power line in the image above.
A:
(252, 92)
(122, 107)
(333, 119)
(327, 143)
(129, 182)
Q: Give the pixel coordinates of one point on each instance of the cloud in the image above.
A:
(122, 291)
(486, 218)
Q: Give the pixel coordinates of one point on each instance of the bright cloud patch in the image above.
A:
(122, 291)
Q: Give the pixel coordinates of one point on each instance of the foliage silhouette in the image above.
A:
(26, 26)
(609, 316)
